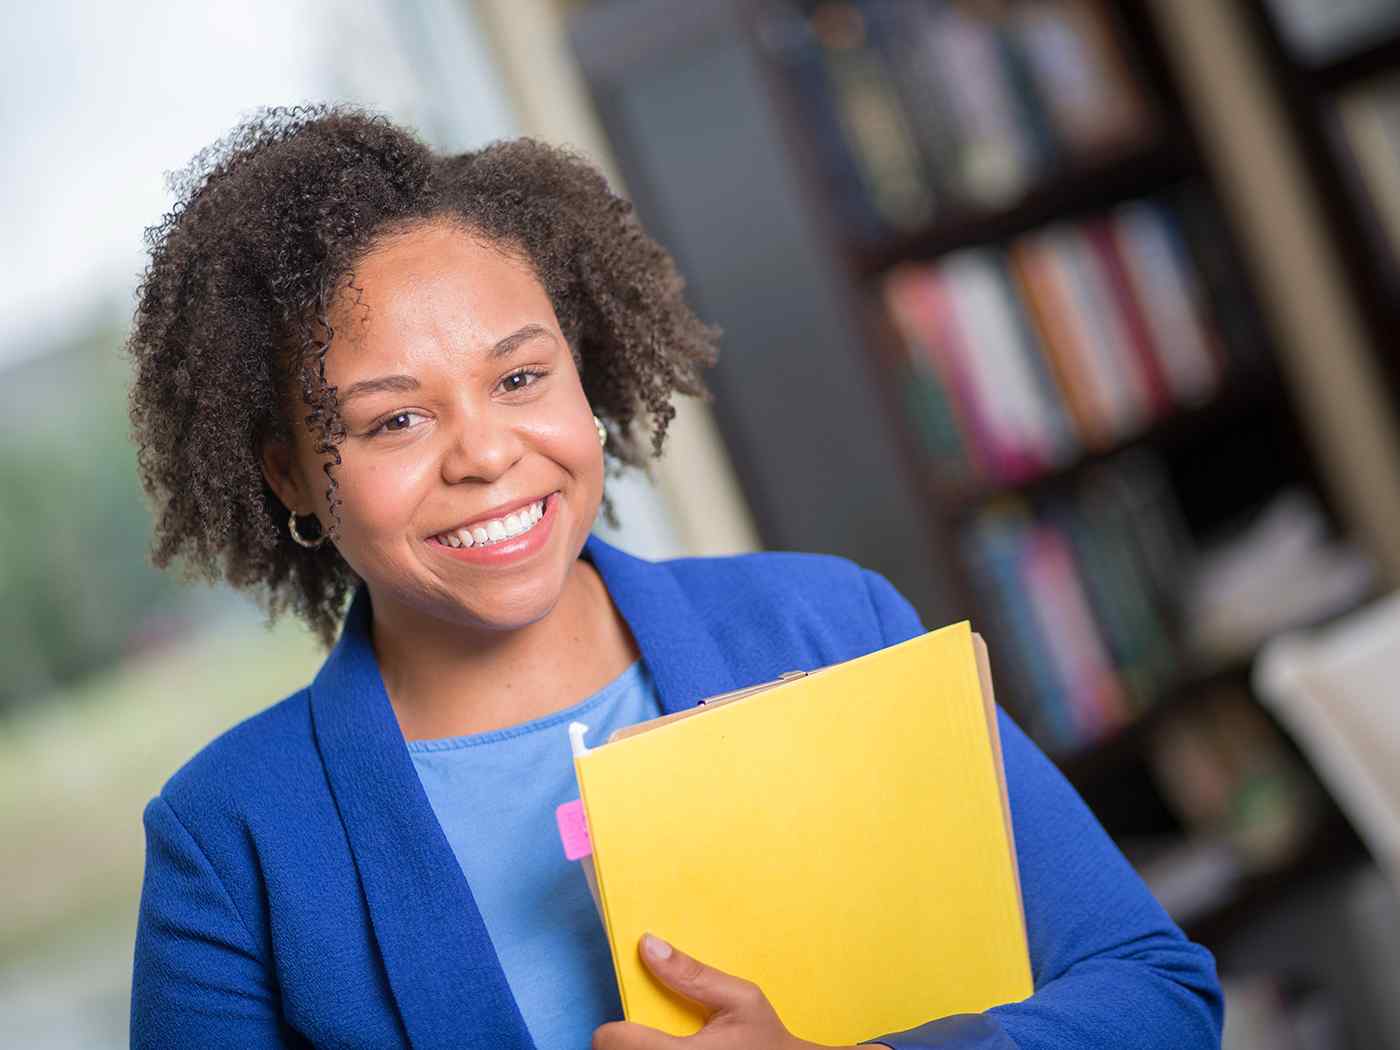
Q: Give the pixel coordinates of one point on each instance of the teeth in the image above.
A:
(512, 524)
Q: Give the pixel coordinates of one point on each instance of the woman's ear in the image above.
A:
(280, 470)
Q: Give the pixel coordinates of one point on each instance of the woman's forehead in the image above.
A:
(438, 285)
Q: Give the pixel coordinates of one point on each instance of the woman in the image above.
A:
(365, 371)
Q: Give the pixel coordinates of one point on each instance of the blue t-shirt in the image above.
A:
(494, 795)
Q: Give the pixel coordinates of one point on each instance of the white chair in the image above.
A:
(1337, 691)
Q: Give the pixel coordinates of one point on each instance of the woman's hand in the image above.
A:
(741, 1017)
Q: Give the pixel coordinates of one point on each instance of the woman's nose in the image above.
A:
(480, 447)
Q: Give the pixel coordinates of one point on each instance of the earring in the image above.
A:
(309, 544)
(602, 431)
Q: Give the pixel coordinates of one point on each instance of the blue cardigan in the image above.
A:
(299, 890)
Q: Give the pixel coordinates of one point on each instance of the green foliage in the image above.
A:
(76, 589)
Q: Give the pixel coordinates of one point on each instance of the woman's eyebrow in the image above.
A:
(399, 384)
(383, 384)
(521, 335)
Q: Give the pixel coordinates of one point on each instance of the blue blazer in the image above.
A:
(299, 890)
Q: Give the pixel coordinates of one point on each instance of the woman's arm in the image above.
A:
(198, 979)
(1111, 969)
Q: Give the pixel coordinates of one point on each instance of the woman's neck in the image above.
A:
(440, 687)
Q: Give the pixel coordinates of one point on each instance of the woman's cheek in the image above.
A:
(378, 501)
(388, 494)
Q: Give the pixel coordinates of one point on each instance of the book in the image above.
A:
(1025, 429)
(921, 307)
(1127, 600)
(1122, 389)
(1135, 331)
(1055, 585)
(1048, 304)
(996, 163)
(1079, 70)
(905, 34)
(1063, 440)
(994, 550)
(791, 41)
(1115, 604)
(841, 837)
(1166, 284)
(875, 124)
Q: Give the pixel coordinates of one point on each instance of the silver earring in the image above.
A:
(602, 431)
(309, 544)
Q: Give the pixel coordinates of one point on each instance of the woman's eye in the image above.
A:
(398, 421)
(519, 380)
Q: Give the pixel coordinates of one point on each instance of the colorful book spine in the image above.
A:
(1134, 330)
(1163, 280)
(924, 109)
(1074, 603)
(994, 550)
(1040, 290)
(1022, 421)
(874, 123)
(905, 34)
(923, 315)
(1096, 693)
(1123, 391)
(1063, 443)
(1077, 336)
(996, 163)
(1077, 64)
(791, 41)
(1118, 592)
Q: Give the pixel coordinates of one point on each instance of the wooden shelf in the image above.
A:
(1083, 186)
(1241, 393)
(1307, 92)
(1333, 847)
(1101, 758)
(1379, 56)
(799, 297)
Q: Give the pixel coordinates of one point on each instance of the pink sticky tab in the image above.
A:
(573, 830)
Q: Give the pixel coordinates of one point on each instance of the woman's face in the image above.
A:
(462, 405)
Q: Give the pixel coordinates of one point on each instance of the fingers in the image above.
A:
(704, 984)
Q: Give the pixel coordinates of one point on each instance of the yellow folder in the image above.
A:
(840, 837)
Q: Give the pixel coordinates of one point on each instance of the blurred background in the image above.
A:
(1076, 318)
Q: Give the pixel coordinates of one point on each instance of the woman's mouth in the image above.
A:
(517, 533)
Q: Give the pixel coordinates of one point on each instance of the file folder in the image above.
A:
(840, 836)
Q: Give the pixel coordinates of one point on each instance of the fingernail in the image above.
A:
(656, 947)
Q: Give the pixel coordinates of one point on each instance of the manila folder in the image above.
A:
(842, 839)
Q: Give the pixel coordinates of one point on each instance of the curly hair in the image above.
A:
(232, 319)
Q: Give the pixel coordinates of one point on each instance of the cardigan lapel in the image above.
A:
(448, 982)
(686, 663)
(446, 977)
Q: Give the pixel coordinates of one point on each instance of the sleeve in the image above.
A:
(1111, 969)
(198, 978)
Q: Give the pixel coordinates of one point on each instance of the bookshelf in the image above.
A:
(1338, 72)
(724, 123)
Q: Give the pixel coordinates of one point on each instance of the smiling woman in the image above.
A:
(260, 271)
(462, 407)
(365, 369)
